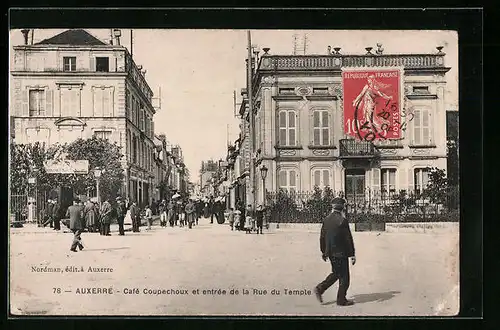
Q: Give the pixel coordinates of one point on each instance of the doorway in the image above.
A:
(355, 185)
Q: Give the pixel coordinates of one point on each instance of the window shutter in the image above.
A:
(49, 105)
(376, 180)
(80, 65)
(410, 181)
(431, 127)
(326, 178)
(25, 103)
(296, 128)
(93, 64)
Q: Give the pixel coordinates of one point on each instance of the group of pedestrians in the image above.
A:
(245, 219)
(185, 212)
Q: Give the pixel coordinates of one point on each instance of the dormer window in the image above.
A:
(69, 63)
(102, 64)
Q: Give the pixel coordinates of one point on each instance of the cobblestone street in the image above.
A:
(198, 271)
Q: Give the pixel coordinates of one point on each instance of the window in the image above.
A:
(388, 180)
(287, 128)
(420, 179)
(103, 104)
(106, 135)
(421, 89)
(132, 110)
(288, 180)
(70, 102)
(37, 102)
(102, 64)
(320, 90)
(141, 125)
(69, 63)
(422, 127)
(321, 128)
(134, 150)
(320, 178)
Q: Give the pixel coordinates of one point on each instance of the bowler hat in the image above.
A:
(338, 203)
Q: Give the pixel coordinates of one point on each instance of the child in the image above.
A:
(149, 216)
(230, 216)
(237, 215)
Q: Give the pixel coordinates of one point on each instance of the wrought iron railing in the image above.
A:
(355, 148)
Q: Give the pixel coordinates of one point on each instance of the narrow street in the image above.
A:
(177, 271)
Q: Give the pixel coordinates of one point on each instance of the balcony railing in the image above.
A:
(332, 62)
(350, 148)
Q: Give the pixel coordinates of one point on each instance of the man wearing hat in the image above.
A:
(121, 211)
(336, 244)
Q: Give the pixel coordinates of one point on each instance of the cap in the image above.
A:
(338, 203)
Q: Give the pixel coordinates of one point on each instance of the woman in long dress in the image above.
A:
(90, 215)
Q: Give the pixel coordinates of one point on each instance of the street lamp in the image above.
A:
(97, 174)
(263, 174)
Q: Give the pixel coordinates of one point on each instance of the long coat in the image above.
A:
(336, 238)
(75, 214)
(90, 214)
(190, 212)
(56, 211)
(106, 213)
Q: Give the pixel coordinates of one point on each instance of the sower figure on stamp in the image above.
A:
(336, 244)
(75, 215)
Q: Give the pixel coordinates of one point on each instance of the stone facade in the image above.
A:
(64, 92)
(303, 84)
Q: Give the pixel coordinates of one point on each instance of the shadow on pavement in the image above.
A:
(107, 249)
(370, 297)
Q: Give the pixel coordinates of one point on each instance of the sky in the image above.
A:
(198, 71)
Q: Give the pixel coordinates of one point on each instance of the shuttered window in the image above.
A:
(388, 180)
(70, 102)
(37, 102)
(321, 128)
(420, 179)
(321, 178)
(288, 180)
(287, 128)
(422, 130)
(69, 63)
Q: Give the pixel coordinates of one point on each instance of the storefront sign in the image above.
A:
(67, 166)
(372, 103)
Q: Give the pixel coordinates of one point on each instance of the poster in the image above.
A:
(372, 103)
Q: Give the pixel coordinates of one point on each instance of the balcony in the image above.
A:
(350, 148)
(335, 62)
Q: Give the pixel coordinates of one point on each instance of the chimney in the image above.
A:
(25, 33)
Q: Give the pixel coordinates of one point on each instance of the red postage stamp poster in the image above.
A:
(372, 103)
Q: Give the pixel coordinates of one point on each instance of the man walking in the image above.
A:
(336, 244)
(190, 213)
(75, 215)
(120, 215)
(134, 214)
(48, 214)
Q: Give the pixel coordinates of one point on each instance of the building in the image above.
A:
(74, 85)
(302, 137)
(207, 173)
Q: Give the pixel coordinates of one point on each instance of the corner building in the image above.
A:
(302, 139)
(75, 86)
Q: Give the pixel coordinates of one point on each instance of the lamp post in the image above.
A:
(97, 174)
(263, 174)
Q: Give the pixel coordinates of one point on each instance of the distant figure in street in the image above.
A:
(181, 213)
(230, 218)
(162, 208)
(56, 215)
(190, 213)
(154, 207)
(259, 217)
(48, 219)
(135, 215)
(121, 211)
(171, 213)
(149, 216)
(211, 207)
(206, 210)
(75, 215)
(248, 226)
(90, 216)
(336, 244)
(106, 215)
(220, 212)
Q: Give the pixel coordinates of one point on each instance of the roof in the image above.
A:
(77, 37)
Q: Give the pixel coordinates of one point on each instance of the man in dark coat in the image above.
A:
(134, 214)
(121, 211)
(75, 215)
(48, 214)
(56, 214)
(260, 218)
(106, 215)
(336, 244)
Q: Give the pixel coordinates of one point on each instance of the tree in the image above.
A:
(24, 158)
(436, 190)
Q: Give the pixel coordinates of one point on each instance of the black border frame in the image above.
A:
(469, 24)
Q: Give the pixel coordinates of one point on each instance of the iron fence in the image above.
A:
(27, 206)
(373, 205)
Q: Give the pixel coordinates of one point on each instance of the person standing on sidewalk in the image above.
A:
(48, 214)
(149, 216)
(259, 216)
(75, 215)
(106, 214)
(135, 216)
(56, 215)
(336, 244)
(190, 213)
(90, 216)
(120, 215)
(163, 213)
